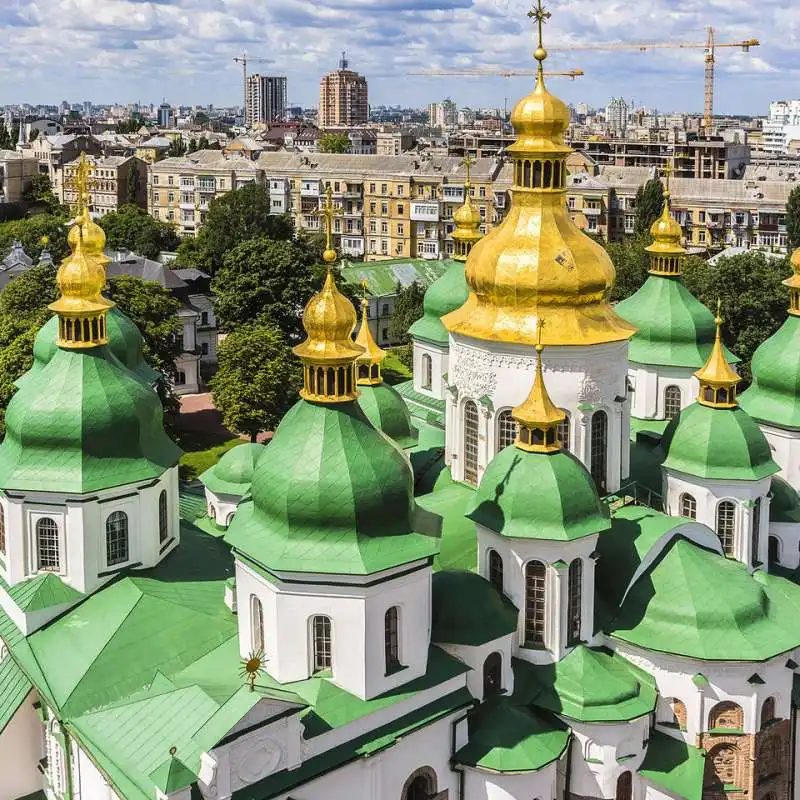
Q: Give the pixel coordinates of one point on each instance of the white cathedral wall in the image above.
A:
(221, 507)
(20, 751)
(357, 624)
(480, 785)
(91, 785)
(785, 446)
(649, 383)
(710, 493)
(788, 546)
(727, 681)
(439, 364)
(475, 656)
(582, 380)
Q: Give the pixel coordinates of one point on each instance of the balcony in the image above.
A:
(592, 212)
(207, 186)
(186, 206)
(309, 190)
(453, 194)
(425, 212)
(353, 193)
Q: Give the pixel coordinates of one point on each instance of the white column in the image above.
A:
(745, 532)
(556, 639)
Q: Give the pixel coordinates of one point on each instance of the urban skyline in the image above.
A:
(116, 53)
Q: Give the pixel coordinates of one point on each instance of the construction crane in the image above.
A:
(244, 60)
(490, 73)
(709, 46)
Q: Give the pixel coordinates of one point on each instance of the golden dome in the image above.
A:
(666, 252)
(467, 218)
(93, 237)
(467, 215)
(718, 380)
(539, 120)
(368, 364)
(793, 284)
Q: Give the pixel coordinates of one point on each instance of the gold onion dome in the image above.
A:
(467, 219)
(537, 264)
(368, 363)
(718, 380)
(793, 284)
(666, 252)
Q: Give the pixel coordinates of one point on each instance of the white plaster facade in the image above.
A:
(648, 384)
(221, 507)
(785, 446)
(430, 360)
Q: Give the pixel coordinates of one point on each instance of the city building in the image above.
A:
(153, 149)
(266, 99)
(115, 181)
(53, 152)
(17, 169)
(443, 115)
(343, 98)
(617, 116)
(781, 131)
(166, 115)
(393, 143)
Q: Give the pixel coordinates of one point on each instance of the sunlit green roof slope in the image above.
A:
(387, 411)
(674, 765)
(458, 544)
(447, 294)
(14, 688)
(233, 473)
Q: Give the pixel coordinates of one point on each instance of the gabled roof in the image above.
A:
(674, 765)
(382, 277)
(144, 268)
(14, 688)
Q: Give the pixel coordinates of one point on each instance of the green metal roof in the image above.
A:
(382, 277)
(674, 328)
(467, 609)
(785, 503)
(233, 473)
(504, 737)
(717, 443)
(83, 423)
(674, 765)
(387, 411)
(429, 409)
(172, 776)
(588, 685)
(447, 294)
(14, 688)
(538, 496)
(458, 544)
(43, 591)
(332, 496)
(774, 396)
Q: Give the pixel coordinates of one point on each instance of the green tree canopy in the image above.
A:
(257, 381)
(177, 148)
(754, 303)
(24, 301)
(407, 310)
(39, 194)
(233, 219)
(649, 205)
(334, 143)
(32, 233)
(793, 219)
(132, 228)
(631, 263)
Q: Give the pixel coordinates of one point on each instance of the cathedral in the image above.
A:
(561, 563)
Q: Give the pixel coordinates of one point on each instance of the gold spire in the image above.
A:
(717, 378)
(92, 236)
(329, 353)
(794, 285)
(538, 417)
(368, 364)
(536, 264)
(666, 253)
(467, 219)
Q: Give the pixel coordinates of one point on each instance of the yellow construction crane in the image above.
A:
(490, 73)
(244, 60)
(710, 46)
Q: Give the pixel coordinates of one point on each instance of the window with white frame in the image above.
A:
(117, 538)
(163, 517)
(257, 624)
(47, 545)
(322, 643)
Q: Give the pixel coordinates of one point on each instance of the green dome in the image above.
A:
(447, 294)
(387, 411)
(785, 503)
(124, 341)
(717, 443)
(674, 329)
(82, 423)
(331, 495)
(233, 473)
(774, 397)
(467, 609)
(538, 496)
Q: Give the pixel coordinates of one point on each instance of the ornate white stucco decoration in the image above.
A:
(472, 373)
(252, 760)
(590, 394)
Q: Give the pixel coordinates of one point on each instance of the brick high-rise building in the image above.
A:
(343, 99)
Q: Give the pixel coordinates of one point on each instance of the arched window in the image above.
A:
(322, 643)
(599, 449)
(391, 639)
(537, 174)
(726, 525)
(624, 787)
(726, 715)
(688, 506)
(470, 442)
(163, 517)
(535, 603)
(421, 785)
(774, 550)
(675, 714)
(767, 712)
(117, 538)
(562, 431)
(496, 570)
(755, 542)
(427, 371)
(574, 602)
(506, 430)
(2, 529)
(492, 675)
(548, 174)
(256, 624)
(672, 402)
(721, 766)
(47, 548)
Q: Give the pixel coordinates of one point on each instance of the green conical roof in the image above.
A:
(233, 473)
(538, 496)
(467, 609)
(718, 444)
(82, 423)
(124, 341)
(447, 294)
(172, 776)
(331, 495)
(674, 329)
(387, 411)
(774, 396)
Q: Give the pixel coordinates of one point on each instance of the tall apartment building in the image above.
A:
(343, 98)
(266, 99)
(781, 132)
(115, 181)
(443, 115)
(617, 115)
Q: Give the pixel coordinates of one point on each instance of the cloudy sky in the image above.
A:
(127, 50)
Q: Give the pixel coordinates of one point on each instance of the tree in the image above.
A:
(132, 228)
(131, 125)
(793, 219)
(177, 148)
(32, 233)
(257, 380)
(232, 219)
(24, 301)
(16, 358)
(192, 146)
(262, 279)
(631, 263)
(649, 205)
(133, 185)
(5, 137)
(201, 118)
(754, 303)
(334, 143)
(407, 310)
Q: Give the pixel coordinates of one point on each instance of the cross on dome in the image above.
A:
(541, 15)
(328, 212)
